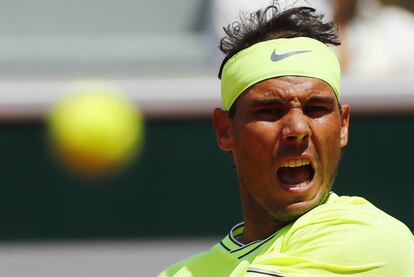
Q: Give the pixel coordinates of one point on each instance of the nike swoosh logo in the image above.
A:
(278, 57)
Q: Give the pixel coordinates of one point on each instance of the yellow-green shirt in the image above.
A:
(345, 236)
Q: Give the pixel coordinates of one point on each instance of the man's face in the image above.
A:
(285, 137)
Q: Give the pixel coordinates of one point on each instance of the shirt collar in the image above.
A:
(231, 244)
(238, 249)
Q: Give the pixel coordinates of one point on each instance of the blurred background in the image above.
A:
(181, 195)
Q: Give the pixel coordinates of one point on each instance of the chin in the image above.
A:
(294, 213)
(296, 210)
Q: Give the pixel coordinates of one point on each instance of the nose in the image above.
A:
(295, 126)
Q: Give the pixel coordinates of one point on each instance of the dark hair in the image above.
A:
(271, 23)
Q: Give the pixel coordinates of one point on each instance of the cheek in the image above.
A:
(328, 129)
(255, 143)
(256, 137)
(253, 155)
(328, 142)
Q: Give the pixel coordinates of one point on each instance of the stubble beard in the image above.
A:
(283, 217)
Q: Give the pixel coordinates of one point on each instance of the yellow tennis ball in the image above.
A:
(95, 131)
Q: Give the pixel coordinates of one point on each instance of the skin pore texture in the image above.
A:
(285, 138)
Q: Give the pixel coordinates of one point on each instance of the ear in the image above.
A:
(223, 129)
(344, 125)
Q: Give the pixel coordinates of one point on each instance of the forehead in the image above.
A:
(288, 88)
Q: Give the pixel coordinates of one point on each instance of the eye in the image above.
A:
(271, 113)
(316, 110)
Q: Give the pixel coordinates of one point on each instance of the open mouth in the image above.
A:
(296, 172)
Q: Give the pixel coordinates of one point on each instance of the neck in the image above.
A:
(252, 233)
(259, 223)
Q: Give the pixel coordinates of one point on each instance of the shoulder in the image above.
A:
(352, 211)
(349, 231)
(201, 264)
(354, 217)
(174, 268)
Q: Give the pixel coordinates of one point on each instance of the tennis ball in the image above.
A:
(95, 131)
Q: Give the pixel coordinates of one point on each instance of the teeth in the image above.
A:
(295, 163)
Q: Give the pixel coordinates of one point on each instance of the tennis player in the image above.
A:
(284, 125)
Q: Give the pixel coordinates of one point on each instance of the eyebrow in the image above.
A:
(278, 102)
(268, 102)
(320, 100)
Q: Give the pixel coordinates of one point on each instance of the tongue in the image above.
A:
(295, 175)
